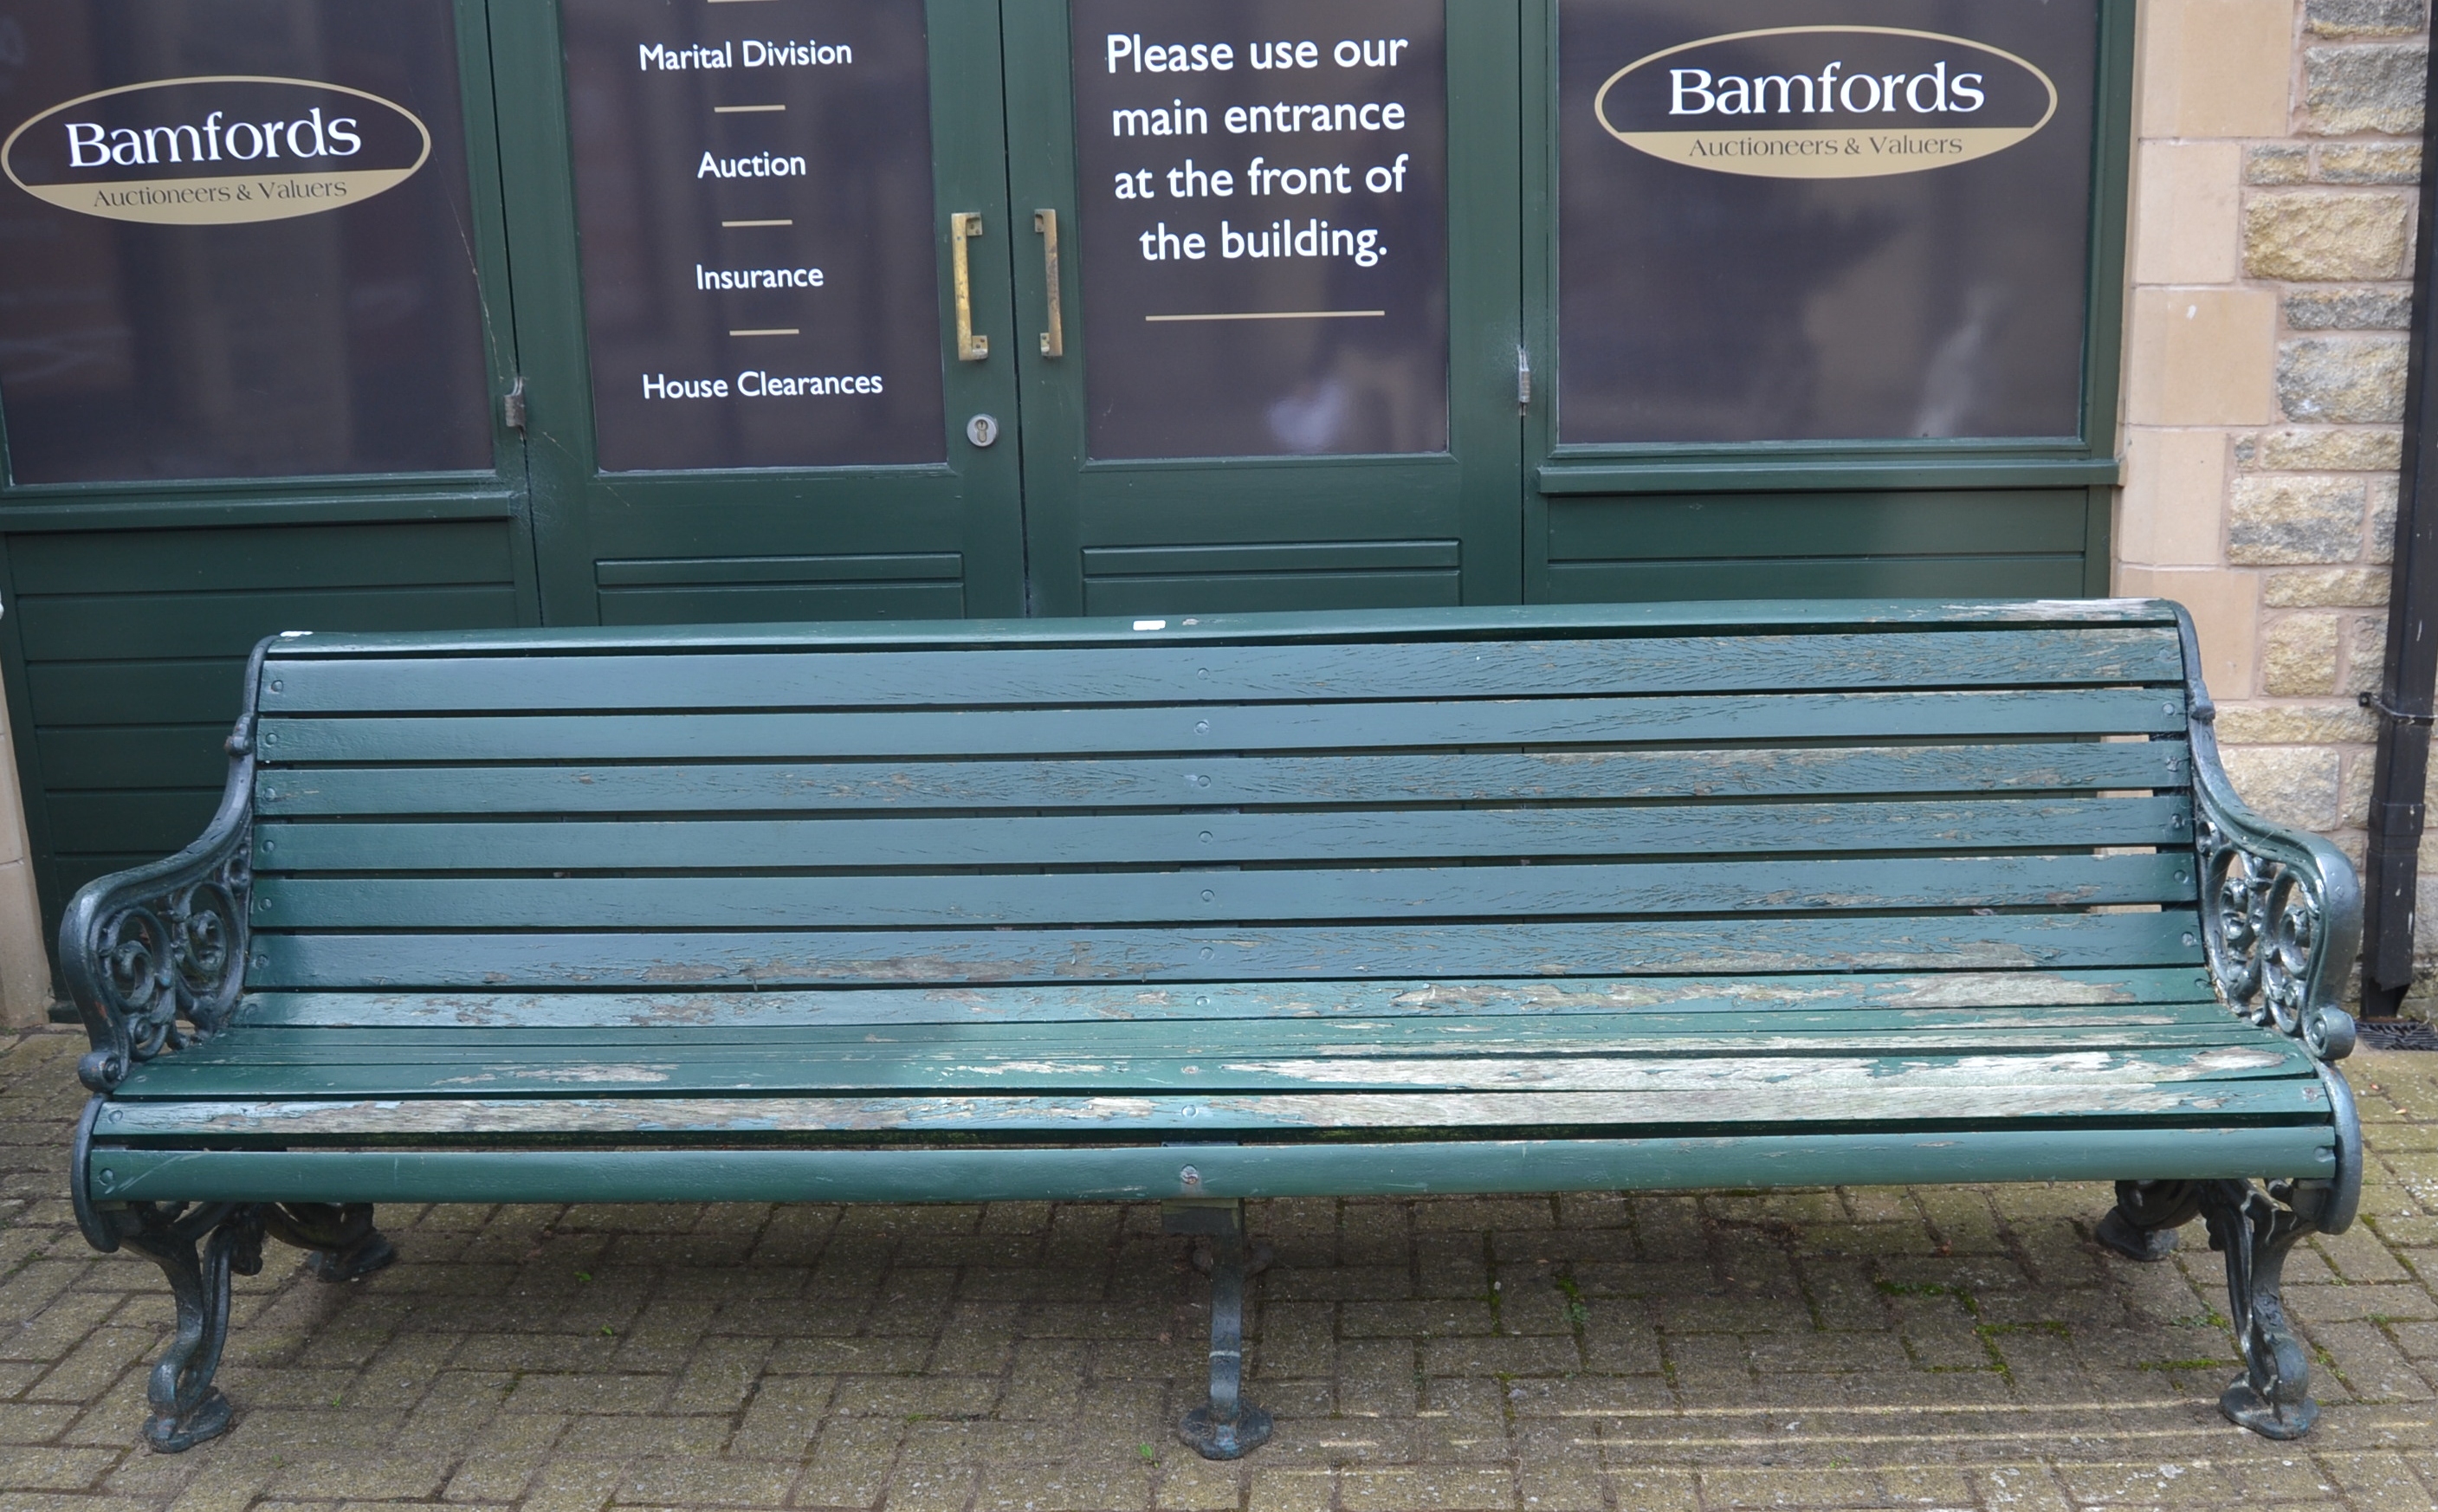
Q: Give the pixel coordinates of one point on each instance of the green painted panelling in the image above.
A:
(1983, 576)
(1228, 782)
(1291, 556)
(1258, 592)
(1722, 526)
(1226, 1171)
(660, 518)
(104, 693)
(123, 821)
(92, 758)
(1655, 474)
(141, 625)
(716, 605)
(225, 561)
(941, 566)
(133, 644)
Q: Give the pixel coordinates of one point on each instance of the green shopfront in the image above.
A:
(319, 314)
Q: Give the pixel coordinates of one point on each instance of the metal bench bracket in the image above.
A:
(1227, 1426)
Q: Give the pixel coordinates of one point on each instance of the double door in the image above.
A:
(851, 309)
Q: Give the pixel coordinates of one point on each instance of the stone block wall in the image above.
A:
(25, 974)
(2275, 193)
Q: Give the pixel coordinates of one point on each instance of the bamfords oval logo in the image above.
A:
(216, 150)
(1826, 103)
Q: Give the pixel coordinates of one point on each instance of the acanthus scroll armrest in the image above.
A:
(2281, 908)
(154, 957)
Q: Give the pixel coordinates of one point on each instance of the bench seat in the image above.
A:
(1483, 901)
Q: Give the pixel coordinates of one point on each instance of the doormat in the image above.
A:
(2397, 1034)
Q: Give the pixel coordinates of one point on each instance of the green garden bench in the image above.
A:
(1202, 909)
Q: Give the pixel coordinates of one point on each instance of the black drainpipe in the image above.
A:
(2390, 865)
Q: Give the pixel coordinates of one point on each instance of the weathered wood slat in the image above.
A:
(776, 959)
(1707, 830)
(1638, 889)
(881, 787)
(2096, 998)
(914, 735)
(2207, 1103)
(1149, 671)
(1519, 1037)
(988, 1068)
(1920, 1032)
(309, 1063)
(1768, 1078)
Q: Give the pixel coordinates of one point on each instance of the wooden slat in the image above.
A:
(765, 960)
(918, 733)
(1584, 1028)
(985, 1070)
(1148, 671)
(744, 902)
(1303, 628)
(2093, 997)
(2204, 1104)
(995, 1050)
(883, 786)
(743, 1166)
(1687, 831)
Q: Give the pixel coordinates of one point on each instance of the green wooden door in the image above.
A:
(1279, 371)
(739, 303)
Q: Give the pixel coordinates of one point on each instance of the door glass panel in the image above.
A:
(1263, 196)
(753, 199)
(1872, 226)
(235, 245)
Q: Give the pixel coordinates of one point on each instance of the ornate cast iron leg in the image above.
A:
(2255, 1229)
(2143, 1225)
(187, 1406)
(343, 1242)
(1228, 1427)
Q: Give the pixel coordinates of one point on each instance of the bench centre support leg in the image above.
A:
(1227, 1426)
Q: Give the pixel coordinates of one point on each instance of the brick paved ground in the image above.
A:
(1933, 1347)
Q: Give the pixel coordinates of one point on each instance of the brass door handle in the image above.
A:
(1053, 341)
(964, 224)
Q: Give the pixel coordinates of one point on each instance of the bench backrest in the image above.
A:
(1737, 788)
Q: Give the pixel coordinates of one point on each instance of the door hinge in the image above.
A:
(1523, 380)
(512, 406)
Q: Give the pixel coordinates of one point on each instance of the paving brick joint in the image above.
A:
(1926, 1348)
